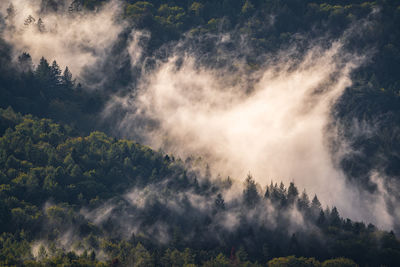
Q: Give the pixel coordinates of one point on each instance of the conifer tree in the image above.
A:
(267, 193)
(321, 218)
(75, 6)
(334, 217)
(304, 201)
(55, 73)
(67, 81)
(10, 13)
(250, 193)
(40, 26)
(29, 20)
(315, 206)
(25, 62)
(219, 202)
(43, 71)
(292, 194)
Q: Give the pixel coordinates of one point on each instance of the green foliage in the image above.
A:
(250, 193)
(46, 90)
(171, 16)
(53, 180)
(219, 261)
(342, 262)
(292, 261)
(141, 13)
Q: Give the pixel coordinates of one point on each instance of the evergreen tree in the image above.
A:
(315, 207)
(334, 218)
(327, 212)
(40, 26)
(29, 20)
(276, 196)
(10, 15)
(282, 194)
(25, 62)
(250, 193)
(304, 201)
(292, 194)
(321, 218)
(219, 202)
(67, 81)
(75, 6)
(267, 194)
(43, 71)
(55, 73)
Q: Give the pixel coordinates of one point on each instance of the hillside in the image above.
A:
(199, 133)
(115, 198)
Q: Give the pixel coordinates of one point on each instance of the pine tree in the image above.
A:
(40, 25)
(219, 202)
(10, 13)
(250, 193)
(67, 81)
(282, 189)
(43, 71)
(315, 207)
(29, 20)
(25, 62)
(282, 194)
(327, 212)
(321, 218)
(75, 6)
(55, 73)
(292, 194)
(304, 201)
(267, 193)
(334, 218)
(275, 193)
(227, 183)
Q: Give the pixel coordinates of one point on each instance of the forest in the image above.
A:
(92, 171)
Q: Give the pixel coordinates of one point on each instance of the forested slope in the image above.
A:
(72, 195)
(262, 27)
(122, 201)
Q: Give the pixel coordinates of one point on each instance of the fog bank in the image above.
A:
(278, 130)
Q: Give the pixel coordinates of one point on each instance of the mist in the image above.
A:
(78, 39)
(275, 123)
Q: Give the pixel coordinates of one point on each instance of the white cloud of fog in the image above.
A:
(382, 204)
(135, 49)
(278, 131)
(77, 40)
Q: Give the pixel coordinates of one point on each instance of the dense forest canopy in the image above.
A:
(63, 192)
(249, 108)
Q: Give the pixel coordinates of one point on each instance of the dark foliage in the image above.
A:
(55, 182)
